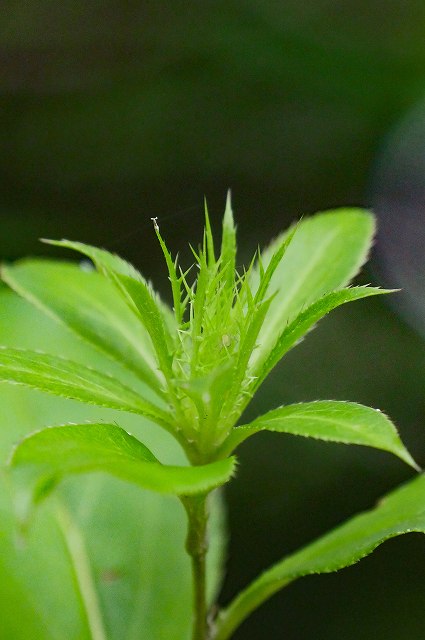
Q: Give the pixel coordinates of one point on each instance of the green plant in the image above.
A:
(193, 372)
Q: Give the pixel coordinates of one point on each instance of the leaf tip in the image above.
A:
(228, 211)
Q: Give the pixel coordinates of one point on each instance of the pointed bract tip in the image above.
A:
(229, 198)
(228, 212)
(206, 214)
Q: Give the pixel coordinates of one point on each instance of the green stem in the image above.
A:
(197, 548)
(81, 564)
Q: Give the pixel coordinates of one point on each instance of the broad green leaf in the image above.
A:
(330, 420)
(303, 323)
(72, 380)
(89, 305)
(138, 294)
(134, 538)
(64, 450)
(402, 511)
(325, 253)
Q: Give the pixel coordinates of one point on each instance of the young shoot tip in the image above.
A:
(229, 198)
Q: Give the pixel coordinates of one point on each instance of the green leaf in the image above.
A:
(89, 305)
(329, 420)
(60, 451)
(402, 511)
(138, 294)
(324, 254)
(72, 380)
(302, 324)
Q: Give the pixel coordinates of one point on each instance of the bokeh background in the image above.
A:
(113, 112)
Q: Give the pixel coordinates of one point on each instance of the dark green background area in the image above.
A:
(113, 112)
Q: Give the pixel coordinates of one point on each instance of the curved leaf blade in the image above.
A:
(329, 420)
(75, 381)
(402, 511)
(324, 254)
(305, 322)
(88, 304)
(72, 449)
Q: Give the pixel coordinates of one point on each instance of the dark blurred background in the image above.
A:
(113, 112)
